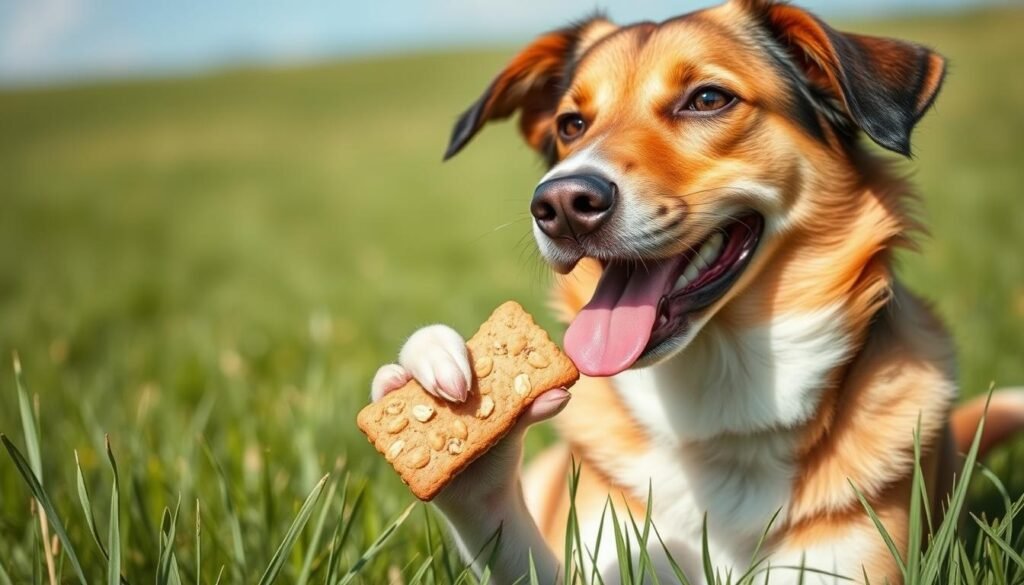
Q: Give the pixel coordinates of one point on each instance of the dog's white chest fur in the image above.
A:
(718, 416)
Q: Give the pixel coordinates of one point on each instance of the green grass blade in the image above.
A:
(464, 576)
(915, 525)
(646, 564)
(357, 506)
(114, 531)
(705, 553)
(314, 543)
(238, 547)
(1006, 526)
(444, 556)
(28, 423)
(267, 492)
(25, 469)
(756, 562)
(492, 544)
(998, 540)
(150, 532)
(333, 553)
(893, 550)
(995, 567)
(966, 566)
(942, 542)
(30, 431)
(86, 502)
(571, 524)
(417, 577)
(168, 528)
(676, 569)
(428, 534)
(625, 559)
(175, 575)
(764, 535)
(199, 545)
(5, 579)
(277, 561)
(377, 545)
(595, 574)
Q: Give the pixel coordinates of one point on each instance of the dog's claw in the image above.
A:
(436, 357)
(388, 378)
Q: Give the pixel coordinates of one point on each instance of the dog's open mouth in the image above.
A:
(639, 306)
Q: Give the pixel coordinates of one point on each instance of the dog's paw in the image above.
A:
(436, 357)
(388, 377)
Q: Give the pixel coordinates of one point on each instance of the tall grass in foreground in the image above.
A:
(936, 552)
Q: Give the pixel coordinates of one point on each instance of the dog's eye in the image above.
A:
(709, 99)
(570, 127)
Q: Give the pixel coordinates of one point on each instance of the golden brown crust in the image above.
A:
(429, 441)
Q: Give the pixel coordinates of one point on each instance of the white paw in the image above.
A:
(436, 357)
(389, 377)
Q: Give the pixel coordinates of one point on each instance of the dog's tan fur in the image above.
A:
(839, 214)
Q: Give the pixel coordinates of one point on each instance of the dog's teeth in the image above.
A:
(709, 251)
(707, 254)
(681, 283)
(691, 272)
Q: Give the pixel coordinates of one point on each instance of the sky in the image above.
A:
(57, 41)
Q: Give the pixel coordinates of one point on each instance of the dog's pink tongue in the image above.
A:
(613, 329)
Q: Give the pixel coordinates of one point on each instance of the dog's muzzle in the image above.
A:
(573, 206)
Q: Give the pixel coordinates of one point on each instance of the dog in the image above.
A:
(723, 238)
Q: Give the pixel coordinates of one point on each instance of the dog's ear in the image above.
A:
(531, 83)
(882, 85)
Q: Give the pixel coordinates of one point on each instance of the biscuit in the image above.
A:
(429, 440)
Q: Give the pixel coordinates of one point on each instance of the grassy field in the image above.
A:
(208, 271)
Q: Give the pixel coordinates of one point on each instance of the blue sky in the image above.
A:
(43, 41)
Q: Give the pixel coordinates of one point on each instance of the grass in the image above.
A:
(200, 276)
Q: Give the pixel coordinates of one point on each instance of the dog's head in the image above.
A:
(682, 152)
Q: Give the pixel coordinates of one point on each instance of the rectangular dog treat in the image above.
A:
(429, 440)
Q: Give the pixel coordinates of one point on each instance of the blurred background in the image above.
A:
(218, 218)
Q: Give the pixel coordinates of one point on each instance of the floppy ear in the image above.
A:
(532, 83)
(883, 85)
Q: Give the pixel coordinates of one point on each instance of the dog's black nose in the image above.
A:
(573, 206)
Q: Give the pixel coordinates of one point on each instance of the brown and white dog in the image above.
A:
(726, 243)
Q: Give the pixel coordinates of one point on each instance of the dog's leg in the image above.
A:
(830, 551)
(486, 500)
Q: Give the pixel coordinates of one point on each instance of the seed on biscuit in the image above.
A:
(521, 384)
(455, 446)
(396, 424)
(483, 366)
(422, 412)
(395, 450)
(436, 440)
(395, 406)
(517, 345)
(418, 458)
(459, 430)
(537, 360)
(500, 348)
(486, 407)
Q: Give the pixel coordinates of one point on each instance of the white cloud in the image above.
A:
(29, 38)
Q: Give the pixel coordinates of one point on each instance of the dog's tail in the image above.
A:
(1005, 418)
